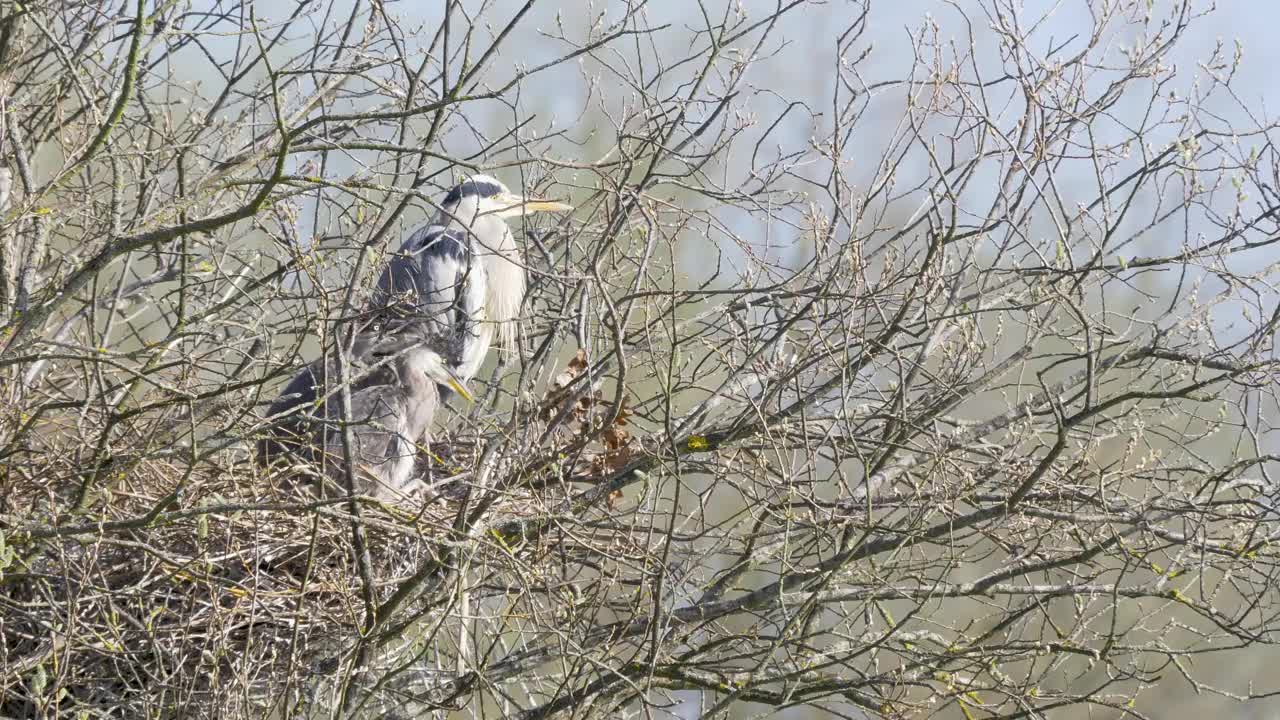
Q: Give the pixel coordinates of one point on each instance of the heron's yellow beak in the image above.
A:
(514, 205)
(455, 383)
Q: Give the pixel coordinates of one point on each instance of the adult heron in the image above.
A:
(461, 275)
(394, 396)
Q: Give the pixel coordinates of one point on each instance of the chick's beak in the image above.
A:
(516, 205)
(455, 384)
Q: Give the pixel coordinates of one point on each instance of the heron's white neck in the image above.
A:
(505, 288)
(504, 268)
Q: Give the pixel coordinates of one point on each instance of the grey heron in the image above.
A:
(394, 396)
(461, 275)
(454, 281)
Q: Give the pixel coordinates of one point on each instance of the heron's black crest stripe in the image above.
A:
(481, 188)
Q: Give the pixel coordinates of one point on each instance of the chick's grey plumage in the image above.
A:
(394, 398)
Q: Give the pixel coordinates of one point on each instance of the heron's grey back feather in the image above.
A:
(435, 284)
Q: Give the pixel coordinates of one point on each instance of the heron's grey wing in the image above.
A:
(450, 265)
(293, 430)
(291, 433)
(436, 285)
(450, 284)
(397, 295)
(413, 285)
(382, 453)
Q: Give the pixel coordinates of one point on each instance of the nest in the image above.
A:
(234, 593)
(140, 587)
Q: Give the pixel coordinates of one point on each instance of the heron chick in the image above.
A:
(394, 397)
